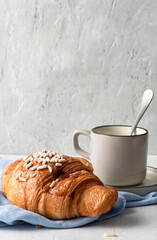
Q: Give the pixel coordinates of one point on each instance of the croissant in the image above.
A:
(56, 186)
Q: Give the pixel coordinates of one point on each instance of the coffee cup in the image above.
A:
(117, 158)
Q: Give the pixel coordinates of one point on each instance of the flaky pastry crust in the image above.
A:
(59, 187)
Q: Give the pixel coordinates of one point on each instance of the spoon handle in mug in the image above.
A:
(146, 100)
(76, 145)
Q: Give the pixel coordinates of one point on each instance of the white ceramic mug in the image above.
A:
(117, 158)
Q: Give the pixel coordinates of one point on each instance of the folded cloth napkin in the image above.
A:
(12, 215)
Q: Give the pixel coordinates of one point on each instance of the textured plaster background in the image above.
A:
(66, 65)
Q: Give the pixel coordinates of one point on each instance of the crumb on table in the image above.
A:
(38, 226)
(110, 234)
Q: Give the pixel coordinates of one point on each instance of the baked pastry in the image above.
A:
(56, 186)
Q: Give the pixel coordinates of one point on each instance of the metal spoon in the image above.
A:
(146, 100)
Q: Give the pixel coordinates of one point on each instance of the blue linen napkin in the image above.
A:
(12, 215)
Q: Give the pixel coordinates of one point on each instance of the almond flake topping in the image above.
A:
(44, 161)
(50, 154)
(54, 182)
(43, 151)
(42, 167)
(22, 179)
(29, 165)
(58, 164)
(34, 167)
(40, 160)
(62, 160)
(31, 158)
(36, 155)
(33, 175)
(43, 158)
(27, 160)
(50, 169)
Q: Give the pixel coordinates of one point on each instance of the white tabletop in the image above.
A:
(134, 223)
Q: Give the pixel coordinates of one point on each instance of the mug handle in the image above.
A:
(76, 145)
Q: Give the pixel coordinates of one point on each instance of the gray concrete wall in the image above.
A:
(73, 64)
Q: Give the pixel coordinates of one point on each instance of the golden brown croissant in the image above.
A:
(56, 186)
